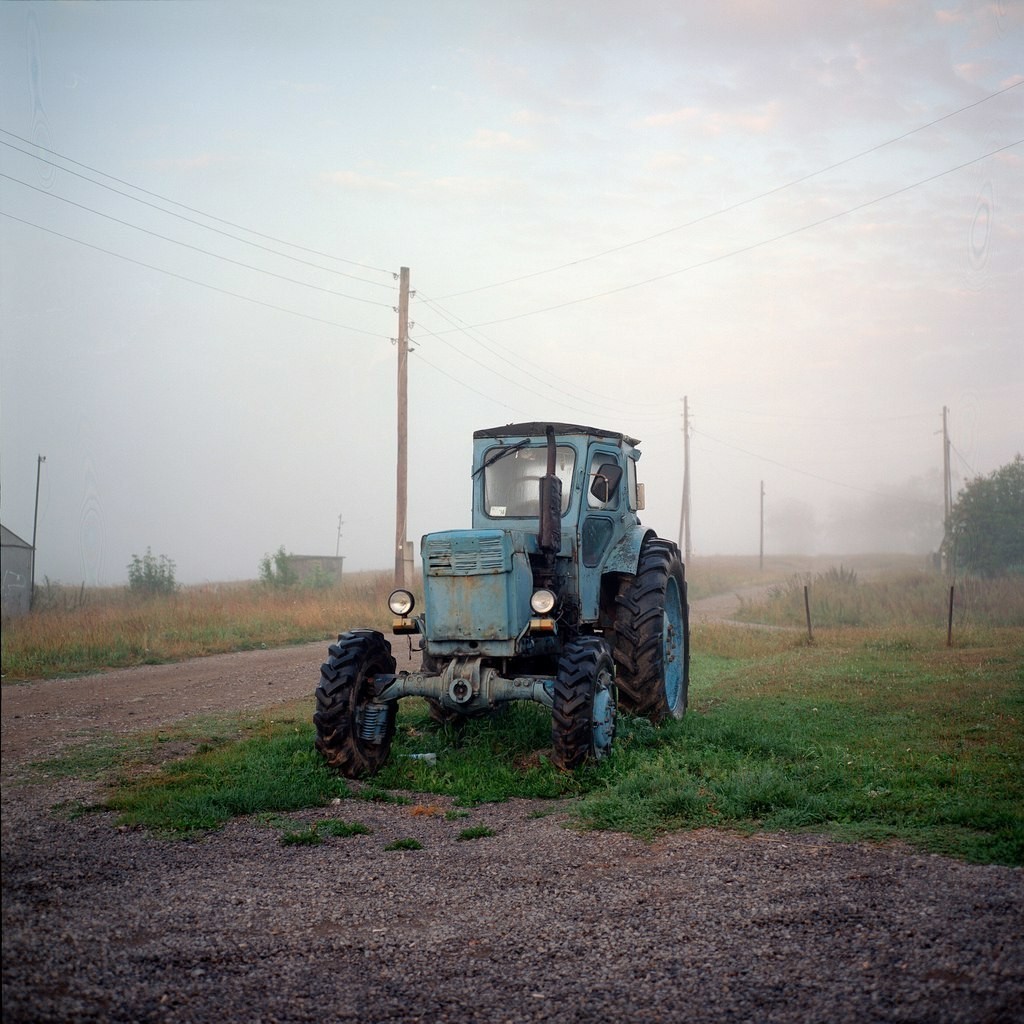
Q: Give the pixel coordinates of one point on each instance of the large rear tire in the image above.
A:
(652, 635)
(583, 714)
(353, 731)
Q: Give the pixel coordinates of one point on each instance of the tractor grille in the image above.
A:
(471, 555)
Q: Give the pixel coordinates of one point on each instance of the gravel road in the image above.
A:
(535, 923)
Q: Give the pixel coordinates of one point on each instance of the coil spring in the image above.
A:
(373, 723)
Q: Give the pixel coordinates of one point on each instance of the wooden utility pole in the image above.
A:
(35, 522)
(684, 513)
(947, 489)
(761, 560)
(402, 481)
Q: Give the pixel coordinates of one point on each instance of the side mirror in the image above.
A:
(641, 502)
(606, 482)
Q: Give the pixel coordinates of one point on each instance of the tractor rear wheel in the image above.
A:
(652, 635)
(583, 714)
(353, 731)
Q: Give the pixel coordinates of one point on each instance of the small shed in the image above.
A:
(321, 568)
(15, 573)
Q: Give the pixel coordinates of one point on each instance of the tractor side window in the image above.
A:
(512, 482)
(631, 480)
(603, 481)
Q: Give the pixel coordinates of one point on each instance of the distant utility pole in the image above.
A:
(684, 513)
(947, 479)
(35, 521)
(947, 488)
(337, 548)
(761, 558)
(402, 482)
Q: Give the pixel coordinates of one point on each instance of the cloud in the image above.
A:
(950, 17)
(302, 88)
(199, 162)
(532, 117)
(421, 187)
(353, 181)
(672, 118)
(756, 121)
(485, 138)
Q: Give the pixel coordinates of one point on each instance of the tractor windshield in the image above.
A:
(512, 482)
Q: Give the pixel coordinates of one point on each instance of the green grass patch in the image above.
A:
(856, 739)
(475, 832)
(276, 770)
(490, 759)
(314, 834)
(865, 734)
(405, 844)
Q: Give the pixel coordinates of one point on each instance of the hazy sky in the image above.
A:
(807, 218)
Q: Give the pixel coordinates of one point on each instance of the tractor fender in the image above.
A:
(624, 555)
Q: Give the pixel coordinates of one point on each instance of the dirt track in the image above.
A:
(41, 717)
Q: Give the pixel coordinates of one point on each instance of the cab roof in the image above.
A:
(539, 429)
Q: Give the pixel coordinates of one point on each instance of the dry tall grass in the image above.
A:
(840, 597)
(708, 575)
(88, 630)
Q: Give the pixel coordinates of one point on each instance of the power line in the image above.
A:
(804, 472)
(749, 248)
(491, 397)
(190, 280)
(491, 370)
(736, 205)
(549, 381)
(960, 456)
(183, 206)
(462, 383)
(735, 411)
(194, 248)
(187, 220)
(569, 403)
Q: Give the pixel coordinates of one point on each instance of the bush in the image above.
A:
(276, 570)
(985, 533)
(149, 575)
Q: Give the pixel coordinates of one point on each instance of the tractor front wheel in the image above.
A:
(353, 730)
(583, 713)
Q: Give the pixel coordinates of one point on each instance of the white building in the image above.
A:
(15, 573)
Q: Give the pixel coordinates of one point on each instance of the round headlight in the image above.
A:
(401, 602)
(542, 601)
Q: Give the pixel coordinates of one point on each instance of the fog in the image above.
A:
(806, 218)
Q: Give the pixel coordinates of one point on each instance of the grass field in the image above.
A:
(79, 631)
(877, 732)
(76, 630)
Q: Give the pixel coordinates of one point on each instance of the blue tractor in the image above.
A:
(556, 595)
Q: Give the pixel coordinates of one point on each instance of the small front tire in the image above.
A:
(353, 730)
(584, 709)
